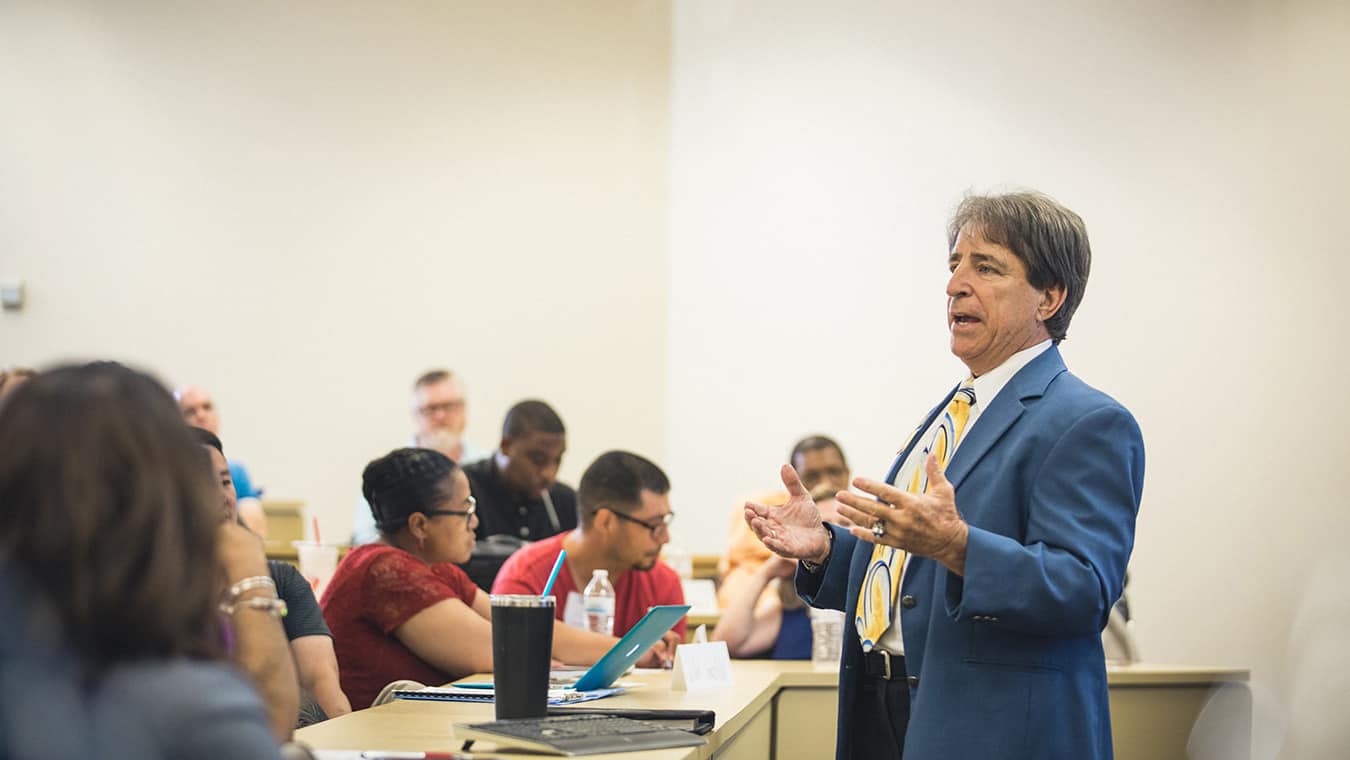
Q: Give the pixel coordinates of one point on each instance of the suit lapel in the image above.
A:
(1029, 382)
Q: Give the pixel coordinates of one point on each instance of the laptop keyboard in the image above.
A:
(582, 734)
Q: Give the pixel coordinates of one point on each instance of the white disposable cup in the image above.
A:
(318, 562)
(827, 636)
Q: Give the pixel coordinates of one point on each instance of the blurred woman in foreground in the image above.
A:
(111, 548)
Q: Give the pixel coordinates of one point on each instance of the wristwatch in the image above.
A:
(812, 567)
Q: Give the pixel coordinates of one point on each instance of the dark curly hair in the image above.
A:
(403, 483)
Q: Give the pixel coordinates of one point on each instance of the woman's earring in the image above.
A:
(421, 543)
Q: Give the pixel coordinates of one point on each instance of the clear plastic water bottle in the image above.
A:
(680, 561)
(598, 602)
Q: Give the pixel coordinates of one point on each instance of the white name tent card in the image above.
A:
(701, 665)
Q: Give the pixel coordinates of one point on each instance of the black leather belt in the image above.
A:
(885, 665)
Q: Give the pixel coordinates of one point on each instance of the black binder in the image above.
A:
(694, 721)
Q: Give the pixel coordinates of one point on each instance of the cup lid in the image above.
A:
(522, 600)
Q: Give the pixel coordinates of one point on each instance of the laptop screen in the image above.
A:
(631, 647)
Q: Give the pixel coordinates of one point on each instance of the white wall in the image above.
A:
(817, 150)
(302, 206)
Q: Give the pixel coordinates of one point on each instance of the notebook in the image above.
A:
(599, 677)
(591, 734)
(477, 694)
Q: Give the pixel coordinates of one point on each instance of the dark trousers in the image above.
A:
(880, 717)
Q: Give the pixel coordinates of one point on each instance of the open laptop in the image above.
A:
(631, 647)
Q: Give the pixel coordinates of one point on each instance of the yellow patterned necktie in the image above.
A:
(882, 581)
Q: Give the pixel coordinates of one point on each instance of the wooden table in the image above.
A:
(786, 710)
(745, 716)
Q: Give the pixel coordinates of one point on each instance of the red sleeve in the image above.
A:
(669, 590)
(398, 586)
(521, 574)
(660, 585)
(457, 579)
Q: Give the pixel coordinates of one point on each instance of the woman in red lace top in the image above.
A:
(398, 608)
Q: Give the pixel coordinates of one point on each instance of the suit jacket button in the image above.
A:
(913, 682)
(907, 602)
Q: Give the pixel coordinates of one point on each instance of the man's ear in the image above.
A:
(505, 445)
(1051, 299)
(603, 520)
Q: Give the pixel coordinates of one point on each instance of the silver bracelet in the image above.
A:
(248, 584)
(270, 604)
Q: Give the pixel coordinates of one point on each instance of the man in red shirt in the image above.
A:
(624, 505)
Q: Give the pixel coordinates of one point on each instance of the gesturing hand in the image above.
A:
(925, 524)
(792, 530)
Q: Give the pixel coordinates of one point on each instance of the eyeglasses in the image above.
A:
(663, 522)
(473, 507)
(429, 410)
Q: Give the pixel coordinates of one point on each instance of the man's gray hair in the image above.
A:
(1050, 240)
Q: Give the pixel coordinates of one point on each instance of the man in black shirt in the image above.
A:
(519, 496)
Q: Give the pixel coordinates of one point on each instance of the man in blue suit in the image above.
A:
(1000, 536)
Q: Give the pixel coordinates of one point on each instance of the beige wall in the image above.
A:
(302, 206)
(816, 152)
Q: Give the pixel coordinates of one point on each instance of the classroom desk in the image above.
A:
(786, 710)
(693, 621)
(1153, 708)
(745, 716)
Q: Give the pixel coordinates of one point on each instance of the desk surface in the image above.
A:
(415, 725)
(1173, 675)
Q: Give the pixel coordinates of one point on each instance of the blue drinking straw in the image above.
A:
(553, 576)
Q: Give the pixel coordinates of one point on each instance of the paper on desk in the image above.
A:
(480, 694)
(701, 666)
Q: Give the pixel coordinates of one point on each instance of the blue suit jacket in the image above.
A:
(1009, 657)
